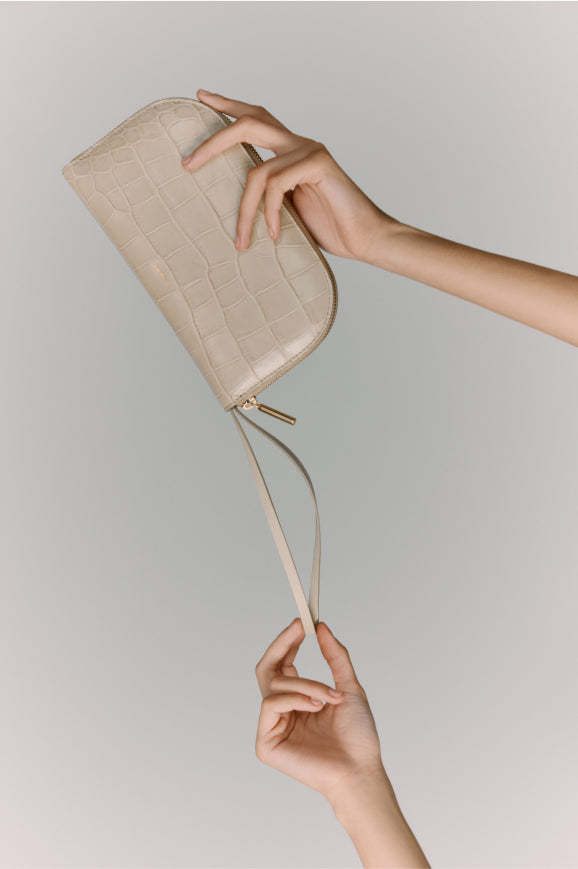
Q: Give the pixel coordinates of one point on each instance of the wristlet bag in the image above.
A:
(246, 317)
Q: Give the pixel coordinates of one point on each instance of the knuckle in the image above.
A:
(246, 122)
(276, 682)
(319, 146)
(319, 153)
(255, 172)
(322, 154)
(304, 140)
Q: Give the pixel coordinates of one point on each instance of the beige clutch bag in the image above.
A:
(246, 318)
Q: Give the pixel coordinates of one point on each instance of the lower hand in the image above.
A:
(340, 217)
(323, 745)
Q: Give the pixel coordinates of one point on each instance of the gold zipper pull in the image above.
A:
(252, 402)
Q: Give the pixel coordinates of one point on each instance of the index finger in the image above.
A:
(283, 648)
(248, 129)
(255, 126)
(236, 108)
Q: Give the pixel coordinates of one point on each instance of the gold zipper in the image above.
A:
(290, 207)
(252, 402)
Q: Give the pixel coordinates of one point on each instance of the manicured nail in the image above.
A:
(335, 693)
(208, 93)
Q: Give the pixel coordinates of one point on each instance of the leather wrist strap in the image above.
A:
(309, 612)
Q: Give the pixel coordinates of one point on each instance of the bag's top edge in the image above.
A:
(167, 100)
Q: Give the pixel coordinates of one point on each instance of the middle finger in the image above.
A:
(287, 174)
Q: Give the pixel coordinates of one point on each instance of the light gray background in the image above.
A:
(140, 582)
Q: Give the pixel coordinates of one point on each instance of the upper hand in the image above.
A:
(316, 745)
(340, 217)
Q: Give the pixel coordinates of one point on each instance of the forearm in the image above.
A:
(368, 811)
(539, 297)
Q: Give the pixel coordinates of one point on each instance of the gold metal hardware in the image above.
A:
(252, 402)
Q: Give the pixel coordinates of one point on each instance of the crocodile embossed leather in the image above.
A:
(246, 317)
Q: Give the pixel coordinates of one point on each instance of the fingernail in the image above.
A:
(237, 240)
(335, 693)
(201, 91)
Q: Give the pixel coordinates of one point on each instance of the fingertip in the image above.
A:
(296, 622)
(321, 632)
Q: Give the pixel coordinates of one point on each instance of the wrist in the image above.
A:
(366, 807)
(392, 244)
(361, 789)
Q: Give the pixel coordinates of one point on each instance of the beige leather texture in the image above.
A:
(247, 317)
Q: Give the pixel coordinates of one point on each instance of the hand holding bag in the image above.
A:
(246, 317)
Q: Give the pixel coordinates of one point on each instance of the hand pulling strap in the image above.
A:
(309, 613)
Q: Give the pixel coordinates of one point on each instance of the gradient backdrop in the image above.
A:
(140, 583)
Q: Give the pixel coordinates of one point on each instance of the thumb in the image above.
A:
(338, 659)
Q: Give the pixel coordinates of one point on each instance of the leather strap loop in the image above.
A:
(309, 612)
